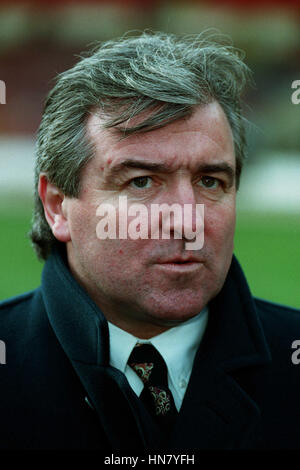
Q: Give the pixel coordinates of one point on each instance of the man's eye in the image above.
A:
(141, 182)
(209, 182)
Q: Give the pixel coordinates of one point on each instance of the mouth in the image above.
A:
(180, 265)
(180, 260)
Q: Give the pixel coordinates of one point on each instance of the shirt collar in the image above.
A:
(178, 345)
(121, 345)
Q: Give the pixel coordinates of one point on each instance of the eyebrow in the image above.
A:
(221, 167)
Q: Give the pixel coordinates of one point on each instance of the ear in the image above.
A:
(55, 213)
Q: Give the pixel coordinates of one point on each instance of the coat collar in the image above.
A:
(77, 321)
(215, 407)
(82, 332)
(234, 336)
(221, 413)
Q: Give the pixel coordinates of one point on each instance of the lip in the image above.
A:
(179, 266)
(180, 260)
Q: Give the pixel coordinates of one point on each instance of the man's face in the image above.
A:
(134, 282)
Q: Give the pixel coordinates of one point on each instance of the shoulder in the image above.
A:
(274, 312)
(281, 324)
(28, 337)
(17, 314)
(16, 301)
(19, 303)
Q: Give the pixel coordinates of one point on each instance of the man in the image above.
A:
(154, 120)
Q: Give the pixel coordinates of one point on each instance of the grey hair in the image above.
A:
(164, 74)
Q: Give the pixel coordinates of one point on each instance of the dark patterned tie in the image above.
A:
(147, 362)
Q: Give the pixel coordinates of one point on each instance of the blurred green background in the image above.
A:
(267, 246)
(39, 39)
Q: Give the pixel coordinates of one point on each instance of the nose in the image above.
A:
(180, 216)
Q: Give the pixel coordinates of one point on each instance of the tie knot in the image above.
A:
(148, 363)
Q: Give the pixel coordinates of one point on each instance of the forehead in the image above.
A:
(206, 134)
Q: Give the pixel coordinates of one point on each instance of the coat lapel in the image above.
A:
(217, 412)
(125, 421)
(82, 332)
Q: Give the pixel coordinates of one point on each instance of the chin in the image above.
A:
(168, 316)
(177, 307)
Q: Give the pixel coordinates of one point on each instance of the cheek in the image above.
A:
(219, 228)
(82, 224)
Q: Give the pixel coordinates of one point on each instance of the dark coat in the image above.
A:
(243, 391)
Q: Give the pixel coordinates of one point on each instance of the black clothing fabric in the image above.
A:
(58, 390)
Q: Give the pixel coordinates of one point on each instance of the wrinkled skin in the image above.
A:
(127, 278)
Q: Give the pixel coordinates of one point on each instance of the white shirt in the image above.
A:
(178, 347)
